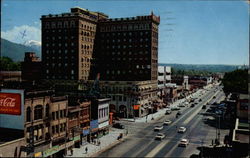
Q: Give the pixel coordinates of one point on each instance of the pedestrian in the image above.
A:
(86, 150)
(71, 151)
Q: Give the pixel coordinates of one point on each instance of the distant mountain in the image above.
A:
(16, 51)
(209, 68)
(34, 44)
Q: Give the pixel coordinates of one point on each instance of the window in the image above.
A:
(47, 110)
(120, 98)
(28, 114)
(38, 113)
(53, 116)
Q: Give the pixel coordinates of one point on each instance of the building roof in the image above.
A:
(7, 134)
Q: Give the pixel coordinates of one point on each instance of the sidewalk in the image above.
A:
(159, 113)
(106, 141)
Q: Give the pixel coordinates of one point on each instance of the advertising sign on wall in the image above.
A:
(10, 103)
(12, 108)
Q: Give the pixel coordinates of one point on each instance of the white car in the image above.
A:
(183, 142)
(167, 122)
(160, 136)
(175, 108)
(182, 130)
(182, 105)
(158, 128)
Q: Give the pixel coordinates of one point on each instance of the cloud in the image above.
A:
(22, 34)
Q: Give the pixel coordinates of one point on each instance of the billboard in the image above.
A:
(12, 108)
(10, 103)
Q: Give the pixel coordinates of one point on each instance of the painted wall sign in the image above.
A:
(10, 103)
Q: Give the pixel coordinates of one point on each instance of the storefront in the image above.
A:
(93, 129)
(58, 150)
(103, 129)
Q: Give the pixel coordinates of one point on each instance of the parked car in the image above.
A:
(182, 130)
(118, 125)
(168, 112)
(182, 105)
(167, 122)
(184, 142)
(160, 136)
(175, 108)
(192, 105)
(158, 128)
(204, 107)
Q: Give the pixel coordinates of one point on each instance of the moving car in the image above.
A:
(118, 125)
(179, 113)
(158, 128)
(182, 130)
(160, 136)
(167, 122)
(184, 143)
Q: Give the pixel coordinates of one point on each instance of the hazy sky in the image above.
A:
(191, 32)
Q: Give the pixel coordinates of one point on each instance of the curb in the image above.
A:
(107, 147)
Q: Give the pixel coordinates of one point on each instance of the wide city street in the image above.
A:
(141, 138)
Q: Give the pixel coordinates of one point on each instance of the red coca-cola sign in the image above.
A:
(10, 103)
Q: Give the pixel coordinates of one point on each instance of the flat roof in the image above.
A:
(7, 134)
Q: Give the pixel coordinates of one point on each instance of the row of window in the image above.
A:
(88, 27)
(126, 52)
(60, 44)
(117, 40)
(86, 33)
(60, 51)
(60, 24)
(129, 59)
(103, 112)
(59, 37)
(124, 46)
(59, 128)
(59, 114)
(132, 34)
(60, 77)
(38, 112)
(108, 28)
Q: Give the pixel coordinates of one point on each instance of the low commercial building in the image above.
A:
(130, 98)
(240, 138)
(100, 117)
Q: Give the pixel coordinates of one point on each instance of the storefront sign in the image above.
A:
(85, 132)
(51, 151)
(76, 138)
(69, 144)
(39, 154)
(104, 124)
(137, 107)
(93, 124)
(10, 103)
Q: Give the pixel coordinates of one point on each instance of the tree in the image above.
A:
(236, 81)
(7, 64)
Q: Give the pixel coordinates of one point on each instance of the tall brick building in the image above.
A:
(126, 49)
(67, 43)
(76, 46)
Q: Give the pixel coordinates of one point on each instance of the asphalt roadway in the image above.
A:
(141, 143)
